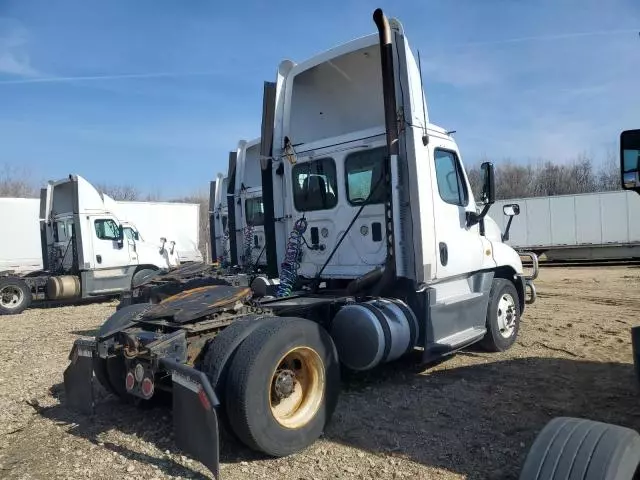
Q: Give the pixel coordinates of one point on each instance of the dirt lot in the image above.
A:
(473, 416)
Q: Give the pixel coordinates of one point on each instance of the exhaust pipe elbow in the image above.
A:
(384, 30)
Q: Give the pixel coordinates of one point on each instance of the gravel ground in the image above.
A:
(473, 416)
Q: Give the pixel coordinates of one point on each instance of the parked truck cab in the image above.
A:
(87, 251)
(414, 215)
(249, 208)
(219, 221)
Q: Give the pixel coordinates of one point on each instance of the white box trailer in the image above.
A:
(591, 226)
(173, 221)
(20, 249)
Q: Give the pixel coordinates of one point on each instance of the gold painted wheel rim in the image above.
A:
(296, 387)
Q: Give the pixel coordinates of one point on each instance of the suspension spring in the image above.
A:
(223, 259)
(248, 245)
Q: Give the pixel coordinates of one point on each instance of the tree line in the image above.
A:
(548, 178)
(513, 180)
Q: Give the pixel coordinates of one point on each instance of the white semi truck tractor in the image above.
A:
(372, 230)
(87, 251)
(218, 220)
(249, 208)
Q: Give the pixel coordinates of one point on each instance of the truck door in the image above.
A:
(131, 236)
(108, 250)
(459, 248)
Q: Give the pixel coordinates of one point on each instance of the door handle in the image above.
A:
(444, 254)
(99, 258)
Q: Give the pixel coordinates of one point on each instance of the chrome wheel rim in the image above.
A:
(11, 297)
(507, 315)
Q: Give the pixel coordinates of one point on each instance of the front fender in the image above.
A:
(505, 256)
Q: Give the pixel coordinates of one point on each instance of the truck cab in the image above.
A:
(85, 239)
(249, 208)
(218, 221)
(411, 213)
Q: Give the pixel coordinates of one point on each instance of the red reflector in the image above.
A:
(203, 399)
(147, 387)
(129, 381)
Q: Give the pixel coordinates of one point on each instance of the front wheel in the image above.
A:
(503, 316)
(15, 296)
(283, 385)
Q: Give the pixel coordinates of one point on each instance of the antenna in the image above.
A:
(425, 137)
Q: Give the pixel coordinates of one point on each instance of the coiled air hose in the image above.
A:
(223, 259)
(291, 263)
(248, 244)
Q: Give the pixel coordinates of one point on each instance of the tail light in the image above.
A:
(130, 381)
(147, 387)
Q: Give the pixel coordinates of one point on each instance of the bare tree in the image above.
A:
(119, 192)
(474, 174)
(514, 180)
(16, 182)
(609, 173)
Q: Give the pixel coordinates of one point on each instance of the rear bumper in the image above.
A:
(195, 420)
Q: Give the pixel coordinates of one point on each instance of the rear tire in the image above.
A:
(283, 386)
(577, 449)
(221, 350)
(110, 372)
(503, 316)
(141, 276)
(15, 296)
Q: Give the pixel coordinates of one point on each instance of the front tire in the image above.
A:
(283, 386)
(15, 296)
(503, 316)
(577, 449)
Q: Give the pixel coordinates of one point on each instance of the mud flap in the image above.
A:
(78, 377)
(195, 421)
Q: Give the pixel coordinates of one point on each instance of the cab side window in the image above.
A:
(106, 229)
(315, 185)
(451, 184)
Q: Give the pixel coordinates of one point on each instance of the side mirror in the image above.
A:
(488, 184)
(511, 210)
(630, 160)
(488, 196)
(120, 240)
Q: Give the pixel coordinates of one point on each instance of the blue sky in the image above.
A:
(154, 93)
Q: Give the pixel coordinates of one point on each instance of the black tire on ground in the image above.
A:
(110, 372)
(498, 338)
(577, 449)
(221, 349)
(15, 295)
(141, 275)
(250, 386)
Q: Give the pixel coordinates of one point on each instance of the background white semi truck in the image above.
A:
(590, 226)
(248, 206)
(218, 220)
(89, 246)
